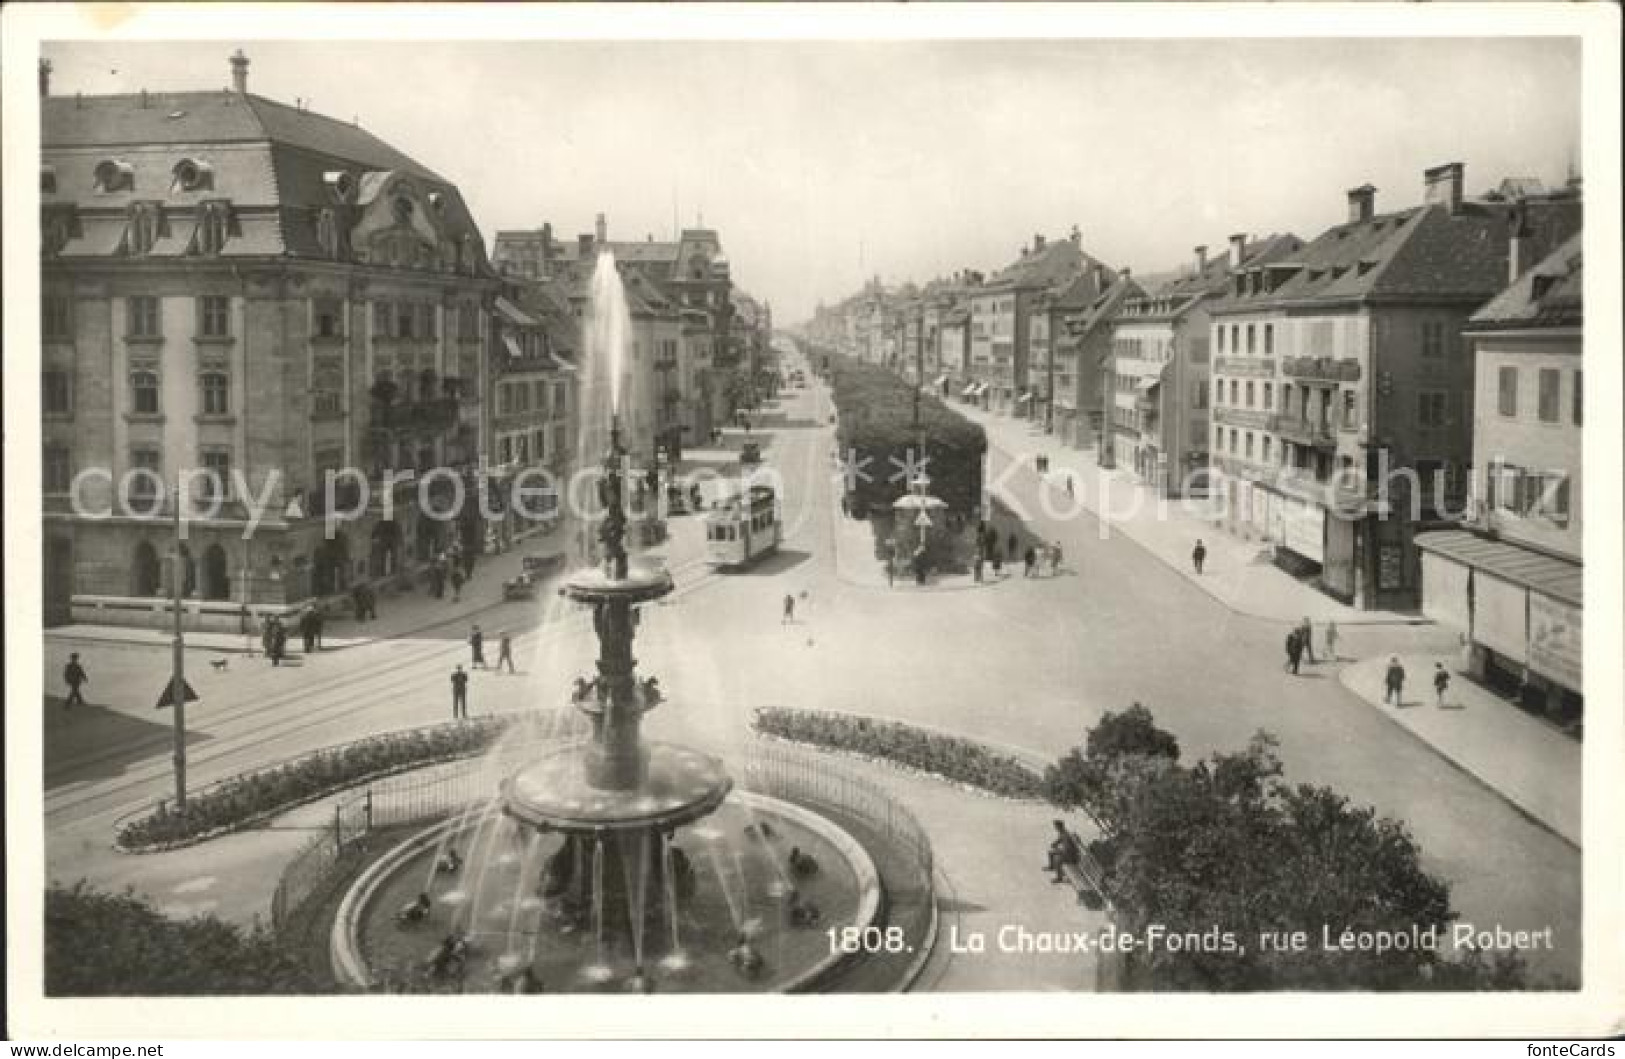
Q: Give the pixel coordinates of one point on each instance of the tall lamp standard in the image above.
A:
(177, 681)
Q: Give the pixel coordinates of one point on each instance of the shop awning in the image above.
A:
(981, 388)
(968, 391)
(941, 380)
(512, 346)
(1026, 395)
(1146, 385)
(1546, 574)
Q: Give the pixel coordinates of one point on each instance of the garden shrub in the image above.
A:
(951, 757)
(254, 796)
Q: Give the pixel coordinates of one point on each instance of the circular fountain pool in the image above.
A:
(742, 886)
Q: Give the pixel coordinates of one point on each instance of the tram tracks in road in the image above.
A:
(283, 718)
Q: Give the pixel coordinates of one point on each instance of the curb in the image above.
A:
(1455, 763)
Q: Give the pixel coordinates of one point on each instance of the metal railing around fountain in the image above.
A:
(444, 790)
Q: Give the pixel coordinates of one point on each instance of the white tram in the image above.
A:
(742, 527)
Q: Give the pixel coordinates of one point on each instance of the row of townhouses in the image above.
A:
(237, 285)
(1392, 407)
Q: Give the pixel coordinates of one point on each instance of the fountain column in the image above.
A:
(616, 761)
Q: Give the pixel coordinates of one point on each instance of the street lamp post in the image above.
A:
(177, 682)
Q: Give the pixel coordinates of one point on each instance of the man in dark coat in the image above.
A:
(74, 675)
(1294, 650)
(459, 694)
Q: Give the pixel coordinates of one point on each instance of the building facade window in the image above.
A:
(1351, 415)
(1249, 340)
(1250, 394)
(1264, 449)
(1551, 382)
(1432, 338)
(56, 317)
(1507, 391)
(141, 316)
(56, 392)
(1199, 395)
(1578, 410)
(144, 391)
(1235, 391)
(56, 472)
(1269, 339)
(1249, 444)
(1269, 397)
(146, 475)
(329, 317)
(1430, 409)
(406, 316)
(214, 316)
(216, 393)
(215, 484)
(382, 319)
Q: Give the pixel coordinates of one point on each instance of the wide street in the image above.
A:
(1026, 663)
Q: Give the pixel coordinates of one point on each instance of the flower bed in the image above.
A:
(951, 757)
(255, 796)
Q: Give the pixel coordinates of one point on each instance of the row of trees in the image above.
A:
(877, 433)
(1227, 843)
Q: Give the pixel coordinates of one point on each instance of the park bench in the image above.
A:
(1082, 874)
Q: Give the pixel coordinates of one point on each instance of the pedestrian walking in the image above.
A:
(459, 694)
(307, 631)
(505, 651)
(1331, 641)
(891, 571)
(1394, 683)
(978, 567)
(1011, 544)
(1069, 487)
(1307, 631)
(456, 584)
(1294, 650)
(74, 675)
(318, 621)
(1029, 559)
(998, 566)
(1055, 558)
(1441, 683)
(789, 610)
(476, 646)
(279, 642)
(437, 579)
(1199, 555)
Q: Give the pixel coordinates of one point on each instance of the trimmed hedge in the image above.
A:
(951, 757)
(877, 423)
(255, 796)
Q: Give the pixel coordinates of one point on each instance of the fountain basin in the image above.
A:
(644, 581)
(679, 785)
(847, 889)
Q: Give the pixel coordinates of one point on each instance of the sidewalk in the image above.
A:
(399, 615)
(1529, 764)
(1237, 573)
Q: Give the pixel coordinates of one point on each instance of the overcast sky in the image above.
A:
(822, 162)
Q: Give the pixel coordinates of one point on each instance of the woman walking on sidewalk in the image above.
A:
(1441, 683)
(1331, 641)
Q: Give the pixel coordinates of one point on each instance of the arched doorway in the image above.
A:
(331, 570)
(216, 576)
(144, 570)
(427, 539)
(385, 555)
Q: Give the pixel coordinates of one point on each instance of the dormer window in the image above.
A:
(47, 180)
(145, 226)
(213, 227)
(403, 209)
(340, 185)
(327, 232)
(193, 174)
(437, 201)
(114, 175)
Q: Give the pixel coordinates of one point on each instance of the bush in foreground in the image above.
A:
(1227, 844)
(104, 944)
(951, 757)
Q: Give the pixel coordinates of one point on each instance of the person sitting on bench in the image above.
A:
(449, 957)
(414, 911)
(450, 862)
(1063, 852)
(745, 958)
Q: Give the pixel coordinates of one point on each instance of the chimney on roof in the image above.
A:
(1517, 241)
(1238, 249)
(143, 99)
(1124, 272)
(1201, 260)
(1038, 242)
(601, 230)
(584, 246)
(1443, 186)
(44, 78)
(1362, 203)
(239, 73)
(1076, 236)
